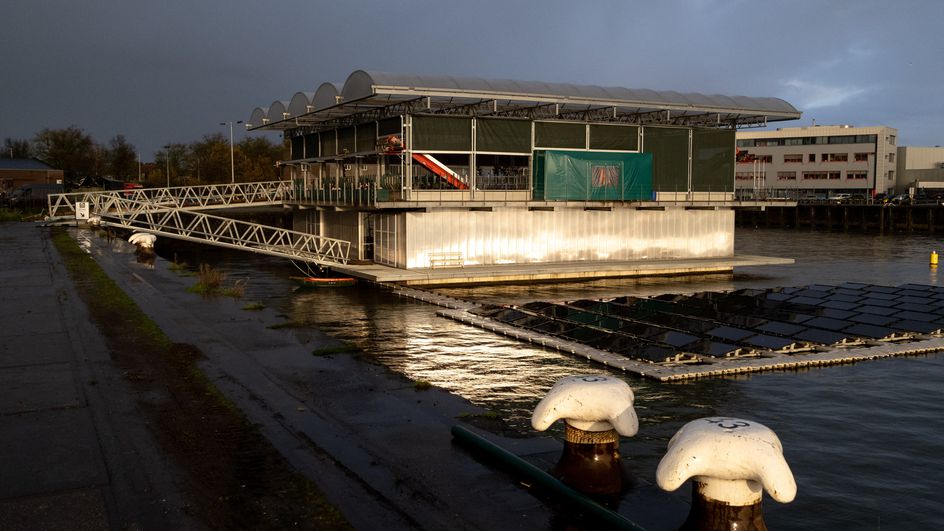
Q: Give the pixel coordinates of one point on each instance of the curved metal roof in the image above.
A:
(300, 103)
(366, 91)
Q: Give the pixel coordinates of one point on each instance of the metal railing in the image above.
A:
(203, 197)
(190, 225)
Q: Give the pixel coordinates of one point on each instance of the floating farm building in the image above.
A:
(424, 173)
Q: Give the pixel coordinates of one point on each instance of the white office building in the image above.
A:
(816, 161)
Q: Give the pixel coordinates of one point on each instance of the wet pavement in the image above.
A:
(73, 454)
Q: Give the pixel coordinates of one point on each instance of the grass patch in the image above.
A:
(234, 478)
(339, 349)
(210, 282)
(254, 306)
(11, 215)
(422, 385)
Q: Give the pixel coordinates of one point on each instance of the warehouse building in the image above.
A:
(421, 171)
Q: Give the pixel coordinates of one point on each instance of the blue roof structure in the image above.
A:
(24, 164)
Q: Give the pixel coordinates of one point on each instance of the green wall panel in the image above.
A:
(713, 160)
(503, 135)
(669, 149)
(614, 137)
(442, 133)
(560, 135)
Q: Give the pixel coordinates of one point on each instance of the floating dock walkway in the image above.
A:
(677, 337)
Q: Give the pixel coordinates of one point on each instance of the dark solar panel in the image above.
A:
(872, 319)
(778, 296)
(853, 285)
(916, 300)
(917, 288)
(870, 331)
(823, 337)
(820, 287)
(887, 303)
(827, 323)
(917, 316)
(717, 349)
(816, 294)
(780, 328)
(881, 289)
(839, 305)
(836, 314)
(656, 353)
(916, 307)
(769, 342)
(877, 310)
(920, 327)
(729, 333)
(675, 339)
(583, 334)
(848, 292)
(845, 298)
(805, 300)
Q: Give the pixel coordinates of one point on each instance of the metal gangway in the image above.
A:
(174, 213)
(203, 197)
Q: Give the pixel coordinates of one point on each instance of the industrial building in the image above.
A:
(920, 168)
(427, 172)
(816, 161)
(15, 173)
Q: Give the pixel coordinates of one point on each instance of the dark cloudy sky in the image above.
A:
(171, 71)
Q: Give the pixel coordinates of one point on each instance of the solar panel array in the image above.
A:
(741, 323)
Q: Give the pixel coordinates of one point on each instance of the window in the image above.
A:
(824, 157)
(765, 158)
(815, 175)
(750, 175)
(812, 157)
(856, 175)
(835, 175)
(745, 143)
(786, 175)
(838, 157)
(794, 142)
(796, 157)
(891, 175)
(891, 139)
(891, 157)
(861, 157)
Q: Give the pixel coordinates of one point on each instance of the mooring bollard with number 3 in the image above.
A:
(731, 462)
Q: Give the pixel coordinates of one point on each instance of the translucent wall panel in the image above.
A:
(390, 239)
(669, 148)
(442, 133)
(343, 226)
(713, 160)
(560, 135)
(500, 135)
(614, 137)
(516, 235)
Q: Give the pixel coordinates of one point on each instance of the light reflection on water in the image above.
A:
(864, 441)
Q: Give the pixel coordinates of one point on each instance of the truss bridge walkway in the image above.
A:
(176, 213)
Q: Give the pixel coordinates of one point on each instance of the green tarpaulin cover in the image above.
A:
(592, 176)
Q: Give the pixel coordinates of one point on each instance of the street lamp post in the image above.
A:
(167, 161)
(232, 163)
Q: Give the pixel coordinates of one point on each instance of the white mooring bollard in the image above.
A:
(596, 410)
(731, 461)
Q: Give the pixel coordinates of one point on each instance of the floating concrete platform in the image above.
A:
(550, 272)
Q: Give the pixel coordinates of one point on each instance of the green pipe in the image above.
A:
(541, 478)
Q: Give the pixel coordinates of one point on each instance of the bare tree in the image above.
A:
(16, 148)
(70, 150)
